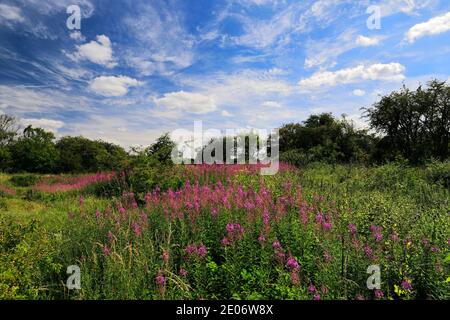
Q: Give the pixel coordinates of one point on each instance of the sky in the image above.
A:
(137, 69)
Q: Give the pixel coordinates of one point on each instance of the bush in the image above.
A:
(296, 157)
(24, 180)
(439, 173)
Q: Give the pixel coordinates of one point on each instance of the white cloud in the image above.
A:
(163, 44)
(225, 113)
(49, 7)
(113, 86)
(97, 51)
(247, 88)
(324, 52)
(386, 72)
(10, 13)
(389, 7)
(47, 124)
(271, 104)
(367, 42)
(77, 35)
(433, 26)
(266, 33)
(187, 101)
(359, 92)
(358, 121)
(23, 100)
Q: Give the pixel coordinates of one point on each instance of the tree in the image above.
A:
(79, 154)
(161, 150)
(8, 131)
(35, 151)
(324, 138)
(413, 124)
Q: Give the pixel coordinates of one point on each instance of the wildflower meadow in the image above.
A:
(227, 232)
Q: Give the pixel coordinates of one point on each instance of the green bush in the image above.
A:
(439, 173)
(24, 180)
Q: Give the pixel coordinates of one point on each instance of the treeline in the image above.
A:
(406, 125)
(36, 150)
(412, 126)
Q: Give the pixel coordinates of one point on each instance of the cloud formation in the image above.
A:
(385, 72)
(431, 27)
(113, 86)
(98, 51)
(187, 102)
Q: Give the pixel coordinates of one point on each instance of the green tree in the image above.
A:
(414, 125)
(79, 154)
(8, 132)
(35, 151)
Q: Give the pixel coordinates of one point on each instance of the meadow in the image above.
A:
(226, 232)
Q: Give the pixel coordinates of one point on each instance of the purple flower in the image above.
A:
(406, 285)
(378, 237)
(319, 218)
(326, 226)
(225, 242)
(316, 297)
(352, 228)
(435, 249)
(201, 251)
(261, 238)
(98, 214)
(292, 264)
(394, 237)
(266, 217)
(160, 280)
(136, 229)
(378, 294)
(276, 245)
(368, 250)
(312, 288)
(122, 210)
(280, 255)
(230, 227)
(373, 228)
(183, 272)
(106, 251)
(327, 256)
(190, 249)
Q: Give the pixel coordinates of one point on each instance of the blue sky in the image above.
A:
(139, 68)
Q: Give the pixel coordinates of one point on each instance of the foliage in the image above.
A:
(35, 151)
(414, 124)
(78, 154)
(324, 138)
(228, 233)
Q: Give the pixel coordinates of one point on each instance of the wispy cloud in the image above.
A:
(10, 14)
(434, 26)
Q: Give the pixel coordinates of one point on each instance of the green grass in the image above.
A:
(38, 240)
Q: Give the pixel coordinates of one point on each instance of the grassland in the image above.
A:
(306, 233)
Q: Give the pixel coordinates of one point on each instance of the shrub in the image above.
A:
(24, 180)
